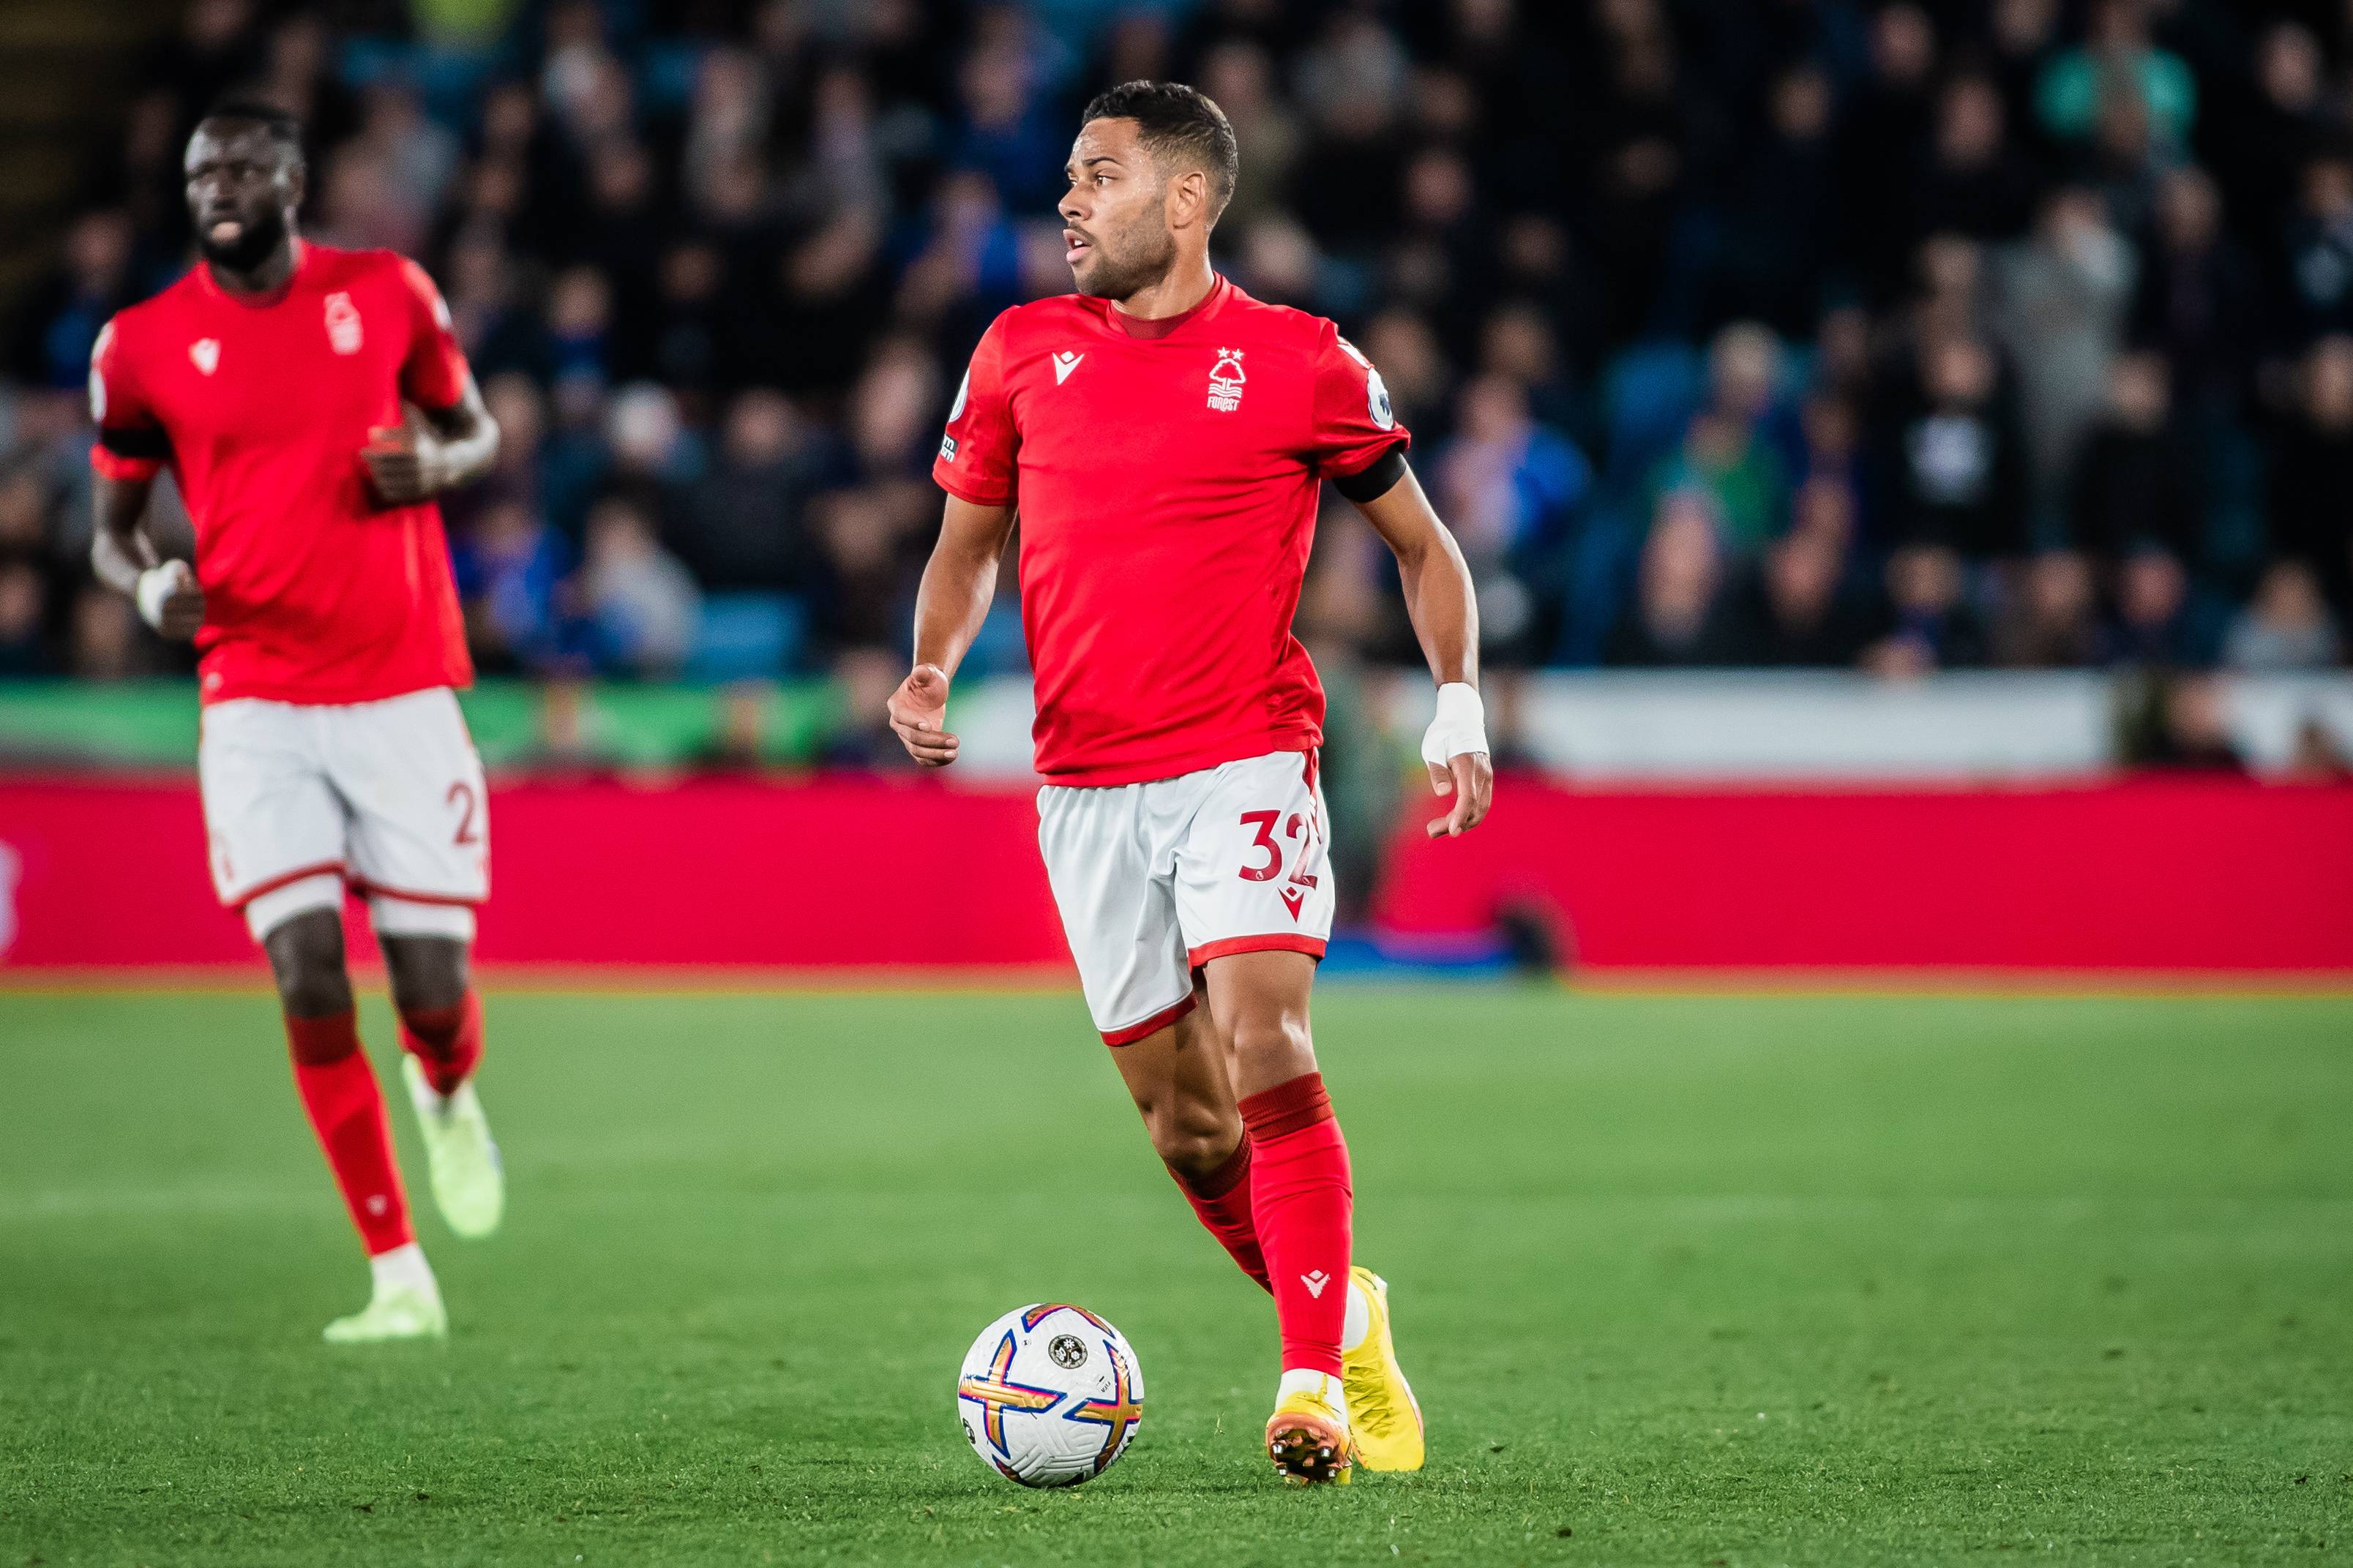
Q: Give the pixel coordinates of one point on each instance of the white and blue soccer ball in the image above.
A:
(1050, 1396)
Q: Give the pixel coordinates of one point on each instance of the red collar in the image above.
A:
(1161, 326)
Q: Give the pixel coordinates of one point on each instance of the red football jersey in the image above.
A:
(313, 592)
(1167, 486)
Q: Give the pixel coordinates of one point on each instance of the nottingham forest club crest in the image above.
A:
(1226, 380)
(344, 332)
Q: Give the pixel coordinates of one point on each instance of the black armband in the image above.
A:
(147, 442)
(1375, 479)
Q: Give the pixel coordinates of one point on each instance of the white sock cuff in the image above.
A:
(1359, 1320)
(402, 1265)
(1306, 1380)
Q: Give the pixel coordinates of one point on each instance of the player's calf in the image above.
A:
(1193, 1139)
(441, 1038)
(1178, 1077)
(440, 1016)
(1220, 1197)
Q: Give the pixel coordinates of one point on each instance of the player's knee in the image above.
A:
(1192, 1137)
(1274, 1045)
(428, 974)
(306, 959)
(1194, 1140)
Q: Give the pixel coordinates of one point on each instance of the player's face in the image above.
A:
(242, 184)
(1115, 230)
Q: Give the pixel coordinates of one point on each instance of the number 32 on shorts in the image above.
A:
(1300, 831)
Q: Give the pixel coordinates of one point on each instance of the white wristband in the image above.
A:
(156, 584)
(1460, 726)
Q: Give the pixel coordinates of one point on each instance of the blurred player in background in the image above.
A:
(1164, 438)
(274, 381)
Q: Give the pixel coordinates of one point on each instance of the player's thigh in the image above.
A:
(272, 818)
(1254, 870)
(421, 834)
(1117, 908)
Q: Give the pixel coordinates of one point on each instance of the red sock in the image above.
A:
(1301, 1200)
(1222, 1199)
(446, 1041)
(339, 1092)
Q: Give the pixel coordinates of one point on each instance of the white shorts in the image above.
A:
(301, 799)
(1156, 880)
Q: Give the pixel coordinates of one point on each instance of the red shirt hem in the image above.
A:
(308, 696)
(1296, 738)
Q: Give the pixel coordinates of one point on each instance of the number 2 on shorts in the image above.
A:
(463, 791)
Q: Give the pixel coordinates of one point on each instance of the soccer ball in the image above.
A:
(1050, 1396)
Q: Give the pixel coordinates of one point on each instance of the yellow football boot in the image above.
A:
(1383, 1415)
(1308, 1440)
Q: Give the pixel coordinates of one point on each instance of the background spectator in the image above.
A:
(1816, 333)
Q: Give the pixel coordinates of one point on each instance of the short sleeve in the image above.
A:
(1354, 423)
(132, 443)
(976, 453)
(433, 372)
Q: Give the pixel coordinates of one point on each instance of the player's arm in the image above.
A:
(133, 447)
(959, 581)
(1444, 606)
(440, 450)
(127, 560)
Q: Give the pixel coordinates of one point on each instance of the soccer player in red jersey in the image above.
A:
(273, 380)
(1164, 439)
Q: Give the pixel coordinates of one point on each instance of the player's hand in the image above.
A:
(1470, 778)
(170, 601)
(404, 465)
(1455, 749)
(918, 711)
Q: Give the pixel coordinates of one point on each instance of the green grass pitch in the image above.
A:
(1696, 1280)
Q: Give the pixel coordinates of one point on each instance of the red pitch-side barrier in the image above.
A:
(2185, 874)
(851, 874)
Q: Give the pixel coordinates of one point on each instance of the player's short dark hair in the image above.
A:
(281, 125)
(1179, 121)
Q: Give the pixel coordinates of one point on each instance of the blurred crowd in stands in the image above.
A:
(1925, 335)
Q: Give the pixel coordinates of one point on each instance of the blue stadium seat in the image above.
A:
(746, 636)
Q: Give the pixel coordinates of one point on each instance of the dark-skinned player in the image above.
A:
(310, 402)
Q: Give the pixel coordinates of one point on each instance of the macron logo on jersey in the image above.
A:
(204, 354)
(1065, 363)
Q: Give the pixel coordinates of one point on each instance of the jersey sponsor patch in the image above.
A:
(947, 449)
(204, 354)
